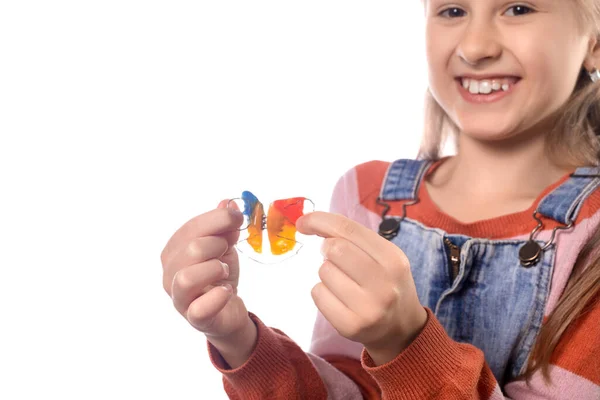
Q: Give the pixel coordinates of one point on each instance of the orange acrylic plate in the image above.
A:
(279, 224)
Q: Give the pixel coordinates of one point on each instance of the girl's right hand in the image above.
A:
(201, 273)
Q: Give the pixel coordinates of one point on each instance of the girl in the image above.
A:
(471, 276)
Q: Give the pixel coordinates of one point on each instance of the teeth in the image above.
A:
(486, 86)
(474, 87)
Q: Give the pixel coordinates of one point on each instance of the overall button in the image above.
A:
(529, 254)
(389, 228)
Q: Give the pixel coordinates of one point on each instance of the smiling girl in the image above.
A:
(475, 276)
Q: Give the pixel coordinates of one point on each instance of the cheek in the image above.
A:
(552, 63)
(551, 81)
(438, 46)
(441, 91)
(439, 51)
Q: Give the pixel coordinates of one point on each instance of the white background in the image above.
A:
(121, 120)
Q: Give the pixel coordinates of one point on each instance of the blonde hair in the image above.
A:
(575, 140)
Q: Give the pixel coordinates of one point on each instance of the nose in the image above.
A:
(480, 42)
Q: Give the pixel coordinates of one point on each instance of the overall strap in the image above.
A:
(564, 203)
(403, 178)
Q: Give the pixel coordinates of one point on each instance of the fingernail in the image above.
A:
(234, 211)
(173, 285)
(227, 288)
(225, 268)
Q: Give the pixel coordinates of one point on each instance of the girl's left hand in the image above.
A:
(366, 292)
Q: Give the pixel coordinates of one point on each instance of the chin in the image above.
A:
(486, 132)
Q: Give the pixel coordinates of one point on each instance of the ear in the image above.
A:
(592, 58)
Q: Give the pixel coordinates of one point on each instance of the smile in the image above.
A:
(486, 90)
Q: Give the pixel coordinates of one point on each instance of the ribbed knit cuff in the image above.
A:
(266, 361)
(423, 368)
(276, 367)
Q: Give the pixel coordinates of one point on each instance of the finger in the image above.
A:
(233, 236)
(231, 258)
(228, 204)
(203, 311)
(214, 222)
(329, 225)
(197, 251)
(346, 290)
(353, 262)
(191, 282)
(339, 316)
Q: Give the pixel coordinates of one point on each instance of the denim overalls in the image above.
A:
(494, 302)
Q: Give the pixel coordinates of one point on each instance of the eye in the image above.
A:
(453, 12)
(518, 10)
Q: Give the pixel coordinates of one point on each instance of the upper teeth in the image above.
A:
(486, 86)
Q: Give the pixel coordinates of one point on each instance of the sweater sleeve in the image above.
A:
(279, 369)
(275, 369)
(435, 366)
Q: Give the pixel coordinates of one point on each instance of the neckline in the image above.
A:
(499, 226)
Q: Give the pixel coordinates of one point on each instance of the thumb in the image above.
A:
(227, 203)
